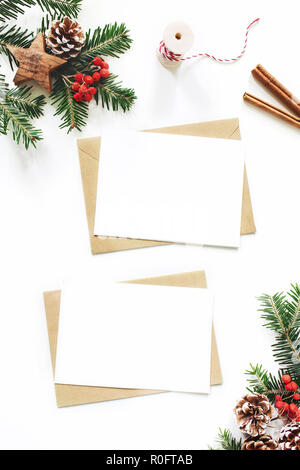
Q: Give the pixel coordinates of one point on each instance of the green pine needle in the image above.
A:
(21, 98)
(3, 116)
(110, 92)
(263, 382)
(45, 24)
(12, 116)
(10, 9)
(226, 441)
(22, 129)
(282, 315)
(73, 114)
(3, 87)
(13, 36)
(293, 306)
(70, 8)
(112, 40)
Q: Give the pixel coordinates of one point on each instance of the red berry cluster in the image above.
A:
(292, 410)
(84, 91)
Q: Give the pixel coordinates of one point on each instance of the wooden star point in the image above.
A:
(35, 64)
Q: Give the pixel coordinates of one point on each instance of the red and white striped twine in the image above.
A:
(171, 56)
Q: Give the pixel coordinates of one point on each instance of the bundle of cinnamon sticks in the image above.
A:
(282, 93)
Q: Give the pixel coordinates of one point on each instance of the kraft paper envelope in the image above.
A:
(70, 395)
(89, 153)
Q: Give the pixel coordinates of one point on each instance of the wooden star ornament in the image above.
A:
(35, 64)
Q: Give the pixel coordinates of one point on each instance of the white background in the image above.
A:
(44, 233)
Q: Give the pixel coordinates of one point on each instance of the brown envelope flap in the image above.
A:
(221, 129)
(69, 395)
(89, 153)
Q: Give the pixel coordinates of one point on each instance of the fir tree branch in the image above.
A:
(10, 9)
(3, 117)
(287, 353)
(73, 114)
(226, 441)
(112, 94)
(21, 98)
(3, 87)
(22, 129)
(13, 36)
(69, 8)
(265, 383)
(112, 40)
(274, 312)
(282, 315)
(294, 307)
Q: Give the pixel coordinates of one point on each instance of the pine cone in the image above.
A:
(264, 442)
(289, 437)
(65, 38)
(253, 413)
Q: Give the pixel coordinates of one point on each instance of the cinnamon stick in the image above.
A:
(272, 110)
(272, 84)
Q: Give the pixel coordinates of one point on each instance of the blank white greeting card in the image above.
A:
(170, 188)
(135, 336)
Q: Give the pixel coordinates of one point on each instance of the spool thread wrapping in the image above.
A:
(170, 58)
